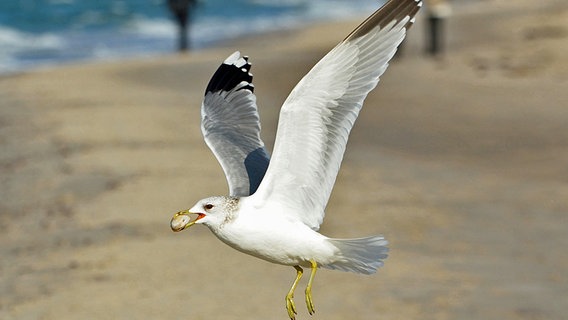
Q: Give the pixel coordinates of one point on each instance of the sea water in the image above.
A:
(36, 33)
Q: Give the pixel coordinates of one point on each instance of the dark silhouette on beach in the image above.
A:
(438, 11)
(181, 10)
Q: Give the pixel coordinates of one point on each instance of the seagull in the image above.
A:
(276, 204)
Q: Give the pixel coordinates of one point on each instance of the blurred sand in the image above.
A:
(461, 162)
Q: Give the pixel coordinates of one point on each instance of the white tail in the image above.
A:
(361, 255)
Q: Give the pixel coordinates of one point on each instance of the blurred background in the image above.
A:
(44, 32)
(459, 159)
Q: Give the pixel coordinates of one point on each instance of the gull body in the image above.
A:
(283, 240)
(276, 204)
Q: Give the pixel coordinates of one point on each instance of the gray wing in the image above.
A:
(231, 126)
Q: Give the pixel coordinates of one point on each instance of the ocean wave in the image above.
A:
(208, 31)
(14, 40)
(151, 27)
(280, 3)
(18, 49)
(337, 10)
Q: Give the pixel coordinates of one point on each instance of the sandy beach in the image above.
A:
(461, 161)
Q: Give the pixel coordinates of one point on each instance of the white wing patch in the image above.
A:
(316, 119)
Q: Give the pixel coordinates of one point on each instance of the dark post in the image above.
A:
(435, 29)
(438, 11)
(181, 12)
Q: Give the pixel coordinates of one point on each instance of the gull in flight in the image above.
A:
(276, 204)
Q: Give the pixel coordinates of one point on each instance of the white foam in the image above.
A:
(164, 28)
(14, 40)
(14, 43)
(280, 3)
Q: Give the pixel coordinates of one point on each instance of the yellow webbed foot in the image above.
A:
(309, 301)
(290, 306)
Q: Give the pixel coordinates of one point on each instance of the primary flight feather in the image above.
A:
(276, 204)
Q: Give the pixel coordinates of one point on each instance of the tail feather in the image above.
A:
(361, 255)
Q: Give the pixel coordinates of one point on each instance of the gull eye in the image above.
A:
(208, 206)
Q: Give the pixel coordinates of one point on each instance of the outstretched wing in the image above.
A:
(231, 125)
(317, 117)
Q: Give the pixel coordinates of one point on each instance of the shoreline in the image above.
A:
(315, 34)
(154, 36)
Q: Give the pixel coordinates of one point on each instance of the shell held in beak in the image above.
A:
(180, 221)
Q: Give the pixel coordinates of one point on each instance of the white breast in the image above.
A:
(276, 239)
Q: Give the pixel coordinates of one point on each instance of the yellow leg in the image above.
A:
(289, 297)
(309, 301)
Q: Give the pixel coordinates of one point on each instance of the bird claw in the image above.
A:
(291, 307)
(309, 302)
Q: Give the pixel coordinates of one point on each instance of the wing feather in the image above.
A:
(231, 126)
(319, 113)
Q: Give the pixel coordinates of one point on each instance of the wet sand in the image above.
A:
(460, 161)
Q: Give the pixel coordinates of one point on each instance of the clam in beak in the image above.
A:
(182, 220)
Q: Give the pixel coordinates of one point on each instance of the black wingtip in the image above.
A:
(231, 73)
